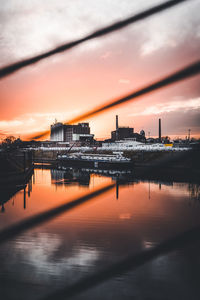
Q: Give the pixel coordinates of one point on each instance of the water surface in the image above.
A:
(137, 216)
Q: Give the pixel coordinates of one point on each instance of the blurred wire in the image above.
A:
(40, 218)
(7, 70)
(128, 264)
(186, 72)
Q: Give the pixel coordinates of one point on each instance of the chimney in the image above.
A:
(117, 126)
(159, 130)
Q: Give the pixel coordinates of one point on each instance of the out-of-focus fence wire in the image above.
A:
(7, 70)
(128, 264)
(40, 218)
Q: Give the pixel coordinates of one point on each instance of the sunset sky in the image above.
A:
(70, 83)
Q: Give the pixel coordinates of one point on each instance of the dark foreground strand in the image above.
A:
(128, 264)
(7, 70)
(40, 218)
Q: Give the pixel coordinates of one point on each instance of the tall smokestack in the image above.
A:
(159, 130)
(117, 126)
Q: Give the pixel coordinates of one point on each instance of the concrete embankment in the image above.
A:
(184, 166)
(48, 156)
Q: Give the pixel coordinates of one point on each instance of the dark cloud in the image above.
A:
(173, 123)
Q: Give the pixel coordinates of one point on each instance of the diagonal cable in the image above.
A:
(128, 264)
(7, 70)
(40, 218)
(181, 74)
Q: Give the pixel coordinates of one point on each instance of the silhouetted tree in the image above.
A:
(9, 142)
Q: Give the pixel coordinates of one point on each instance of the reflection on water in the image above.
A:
(137, 215)
(70, 176)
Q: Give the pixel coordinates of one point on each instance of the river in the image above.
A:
(132, 217)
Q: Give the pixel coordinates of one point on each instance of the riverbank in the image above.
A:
(16, 167)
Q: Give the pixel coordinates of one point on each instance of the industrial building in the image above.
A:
(79, 133)
(122, 133)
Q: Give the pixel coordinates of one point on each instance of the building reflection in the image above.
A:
(194, 191)
(69, 176)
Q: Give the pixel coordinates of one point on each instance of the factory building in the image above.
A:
(57, 132)
(79, 133)
(122, 133)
